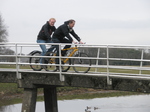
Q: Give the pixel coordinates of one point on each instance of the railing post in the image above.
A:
(98, 52)
(141, 63)
(62, 78)
(109, 82)
(18, 75)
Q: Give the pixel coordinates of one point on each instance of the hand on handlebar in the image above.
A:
(81, 42)
(74, 42)
(78, 42)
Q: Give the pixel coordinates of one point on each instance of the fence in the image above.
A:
(119, 61)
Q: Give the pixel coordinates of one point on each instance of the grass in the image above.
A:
(96, 95)
(4, 102)
(72, 96)
(121, 70)
(9, 88)
(92, 69)
(11, 94)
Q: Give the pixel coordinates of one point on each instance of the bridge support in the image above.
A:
(50, 99)
(29, 100)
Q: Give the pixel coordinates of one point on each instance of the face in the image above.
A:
(71, 25)
(52, 22)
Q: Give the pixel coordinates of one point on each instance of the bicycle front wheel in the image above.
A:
(66, 64)
(35, 60)
(81, 65)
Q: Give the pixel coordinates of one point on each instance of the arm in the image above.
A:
(66, 33)
(77, 37)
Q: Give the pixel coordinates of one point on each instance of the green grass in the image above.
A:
(14, 66)
(120, 70)
(96, 95)
(91, 70)
(4, 102)
(9, 88)
(68, 93)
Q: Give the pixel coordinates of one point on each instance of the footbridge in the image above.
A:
(113, 67)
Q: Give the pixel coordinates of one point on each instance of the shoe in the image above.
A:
(57, 69)
(44, 67)
(63, 53)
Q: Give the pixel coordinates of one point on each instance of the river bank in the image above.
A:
(66, 93)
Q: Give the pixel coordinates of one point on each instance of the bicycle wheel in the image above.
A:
(35, 60)
(51, 62)
(66, 62)
(81, 65)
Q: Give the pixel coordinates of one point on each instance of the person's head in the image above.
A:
(52, 21)
(71, 23)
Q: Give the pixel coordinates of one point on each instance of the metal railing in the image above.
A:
(106, 60)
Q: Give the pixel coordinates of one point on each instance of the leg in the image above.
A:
(55, 40)
(66, 46)
(43, 47)
(52, 46)
(57, 54)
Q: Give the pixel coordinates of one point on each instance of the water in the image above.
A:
(136, 103)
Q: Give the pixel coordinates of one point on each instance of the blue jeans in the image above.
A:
(43, 47)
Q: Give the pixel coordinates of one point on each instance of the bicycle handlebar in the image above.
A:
(79, 43)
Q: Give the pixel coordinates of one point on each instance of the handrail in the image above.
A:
(23, 47)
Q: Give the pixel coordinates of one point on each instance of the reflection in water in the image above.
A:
(137, 103)
(2, 109)
(11, 108)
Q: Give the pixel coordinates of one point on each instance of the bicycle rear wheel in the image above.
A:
(81, 65)
(35, 60)
(51, 62)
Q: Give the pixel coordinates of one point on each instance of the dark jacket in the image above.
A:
(46, 31)
(63, 31)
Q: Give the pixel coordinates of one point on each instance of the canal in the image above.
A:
(133, 103)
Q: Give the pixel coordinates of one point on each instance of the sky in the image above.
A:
(98, 22)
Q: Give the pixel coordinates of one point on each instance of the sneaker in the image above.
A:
(63, 53)
(44, 67)
(57, 69)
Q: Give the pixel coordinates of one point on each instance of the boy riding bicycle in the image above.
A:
(44, 35)
(59, 37)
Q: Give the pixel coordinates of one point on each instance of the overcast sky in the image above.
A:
(97, 21)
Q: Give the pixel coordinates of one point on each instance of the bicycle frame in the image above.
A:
(71, 54)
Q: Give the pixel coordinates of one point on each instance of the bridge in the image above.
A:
(107, 71)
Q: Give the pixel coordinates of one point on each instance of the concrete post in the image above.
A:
(50, 98)
(29, 100)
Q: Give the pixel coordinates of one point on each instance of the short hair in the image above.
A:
(52, 19)
(71, 21)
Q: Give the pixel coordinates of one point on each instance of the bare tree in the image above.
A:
(3, 31)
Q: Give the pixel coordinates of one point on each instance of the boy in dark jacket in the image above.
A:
(45, 33)
(61, 35)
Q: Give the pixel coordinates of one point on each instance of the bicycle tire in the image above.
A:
(77, 62)
(66, 67)
(51, 62)
(35, 60)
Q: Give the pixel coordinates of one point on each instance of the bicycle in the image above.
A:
(35, 60)
(80, 59)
